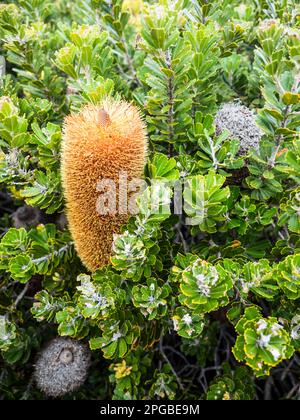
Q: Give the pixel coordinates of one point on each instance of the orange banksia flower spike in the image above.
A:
(98, 143)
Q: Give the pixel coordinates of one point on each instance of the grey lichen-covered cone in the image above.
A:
(240, 122)
(62, 367)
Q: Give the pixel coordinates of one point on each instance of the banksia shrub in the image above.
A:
(232, 386)
(150, 199)
(61, 367)
(100, 143)
(262, 342)
(203, 287)
(287, 274)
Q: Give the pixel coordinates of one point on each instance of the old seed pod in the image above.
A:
(240, 122)
(62, 367)
(27, 216)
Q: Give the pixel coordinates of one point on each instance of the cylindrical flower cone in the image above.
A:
(99, 143)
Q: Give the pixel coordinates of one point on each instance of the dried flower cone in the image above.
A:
(240, 122)
(62, 366)
(98, 143)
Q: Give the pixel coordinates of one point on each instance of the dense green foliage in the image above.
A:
(182, 304)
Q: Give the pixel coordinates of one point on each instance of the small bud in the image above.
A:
(7, 100)
(266, 24)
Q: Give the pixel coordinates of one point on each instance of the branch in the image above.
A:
(170, 103)
(53, 254)
(20, 296)
(168, 361)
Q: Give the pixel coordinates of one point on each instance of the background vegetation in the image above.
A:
(154, 331)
